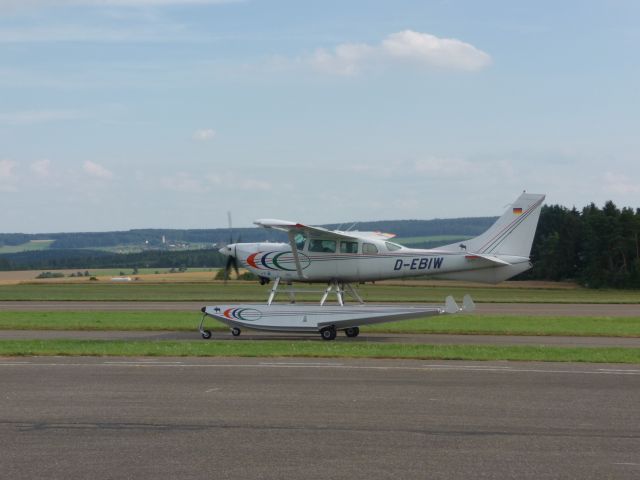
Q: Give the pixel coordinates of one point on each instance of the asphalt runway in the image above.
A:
(548, 309)
(430, 339)
(78, 418)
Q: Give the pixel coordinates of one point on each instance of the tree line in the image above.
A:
(89, 259)
(153, 237)
(596, 247)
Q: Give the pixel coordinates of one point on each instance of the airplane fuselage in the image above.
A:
(273, 260)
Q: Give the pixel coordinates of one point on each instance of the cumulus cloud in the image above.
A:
(408, 46)
(182, 182)
(204, 134)
(7, 175)
(41, 168)
(97, 171)
(620, 184)
(6, 169)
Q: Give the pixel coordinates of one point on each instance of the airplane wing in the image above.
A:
(287, 226)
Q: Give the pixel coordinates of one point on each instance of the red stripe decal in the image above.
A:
(251, 261)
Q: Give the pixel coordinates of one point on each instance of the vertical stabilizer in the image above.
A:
(513, 232)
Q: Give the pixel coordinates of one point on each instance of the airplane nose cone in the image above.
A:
(227, 250)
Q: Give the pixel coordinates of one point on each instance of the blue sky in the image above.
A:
(118, 114)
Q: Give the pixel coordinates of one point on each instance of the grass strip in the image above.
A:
(456, 324)
(246, 292)
(314, 349)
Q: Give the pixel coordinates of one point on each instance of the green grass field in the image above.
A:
(250, 291)
(26, 247)
(458, 324)
(315, 349)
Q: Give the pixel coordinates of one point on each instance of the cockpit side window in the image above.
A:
(348, 247)
(369, 248)
(326, 246)
(300, 240)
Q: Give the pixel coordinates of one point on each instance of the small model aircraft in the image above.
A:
(340, 258)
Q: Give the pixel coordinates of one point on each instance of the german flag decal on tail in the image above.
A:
(517, 211)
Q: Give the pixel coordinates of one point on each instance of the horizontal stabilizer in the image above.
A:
(478, 257)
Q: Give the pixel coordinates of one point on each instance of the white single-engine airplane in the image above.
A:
(339, 258)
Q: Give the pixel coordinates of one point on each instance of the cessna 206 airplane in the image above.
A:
(340, 258)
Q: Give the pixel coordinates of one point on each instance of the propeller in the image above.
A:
(229, 251)
(232, 262)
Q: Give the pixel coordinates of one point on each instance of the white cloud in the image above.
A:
(253, 184)
(41, 168)
(95, 170)
(7, 175)
(408, 46)
(615, 183)
(429, 50)
(346, 59)
(30, 117)
(182, 182)
(6, 169)
(204, 134)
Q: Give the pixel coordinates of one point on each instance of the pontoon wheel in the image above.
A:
(328, 333)
(206, 334)
(235, 331)
(352, 331)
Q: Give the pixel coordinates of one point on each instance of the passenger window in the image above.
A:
(300, 240)
(326, 246)
(369, 248)
(348, 247)
(392, 247)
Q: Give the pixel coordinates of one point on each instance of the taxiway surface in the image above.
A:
(78, 418)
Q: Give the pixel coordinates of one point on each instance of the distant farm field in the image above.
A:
(106, 275)
(414, 291)
(26, 247)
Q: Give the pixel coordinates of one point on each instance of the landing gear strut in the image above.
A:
(206, 334)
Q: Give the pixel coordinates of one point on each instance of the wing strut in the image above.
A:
(294, 250)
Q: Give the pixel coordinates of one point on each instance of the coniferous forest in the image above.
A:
(597, 247)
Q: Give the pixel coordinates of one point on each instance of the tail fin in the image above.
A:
(513, 232)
